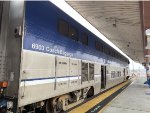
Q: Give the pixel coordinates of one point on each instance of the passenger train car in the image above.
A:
(49, 61)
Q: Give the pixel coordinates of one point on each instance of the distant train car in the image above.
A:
(50, 61)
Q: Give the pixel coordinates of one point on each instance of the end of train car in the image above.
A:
(49, 61)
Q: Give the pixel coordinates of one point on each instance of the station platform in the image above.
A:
(97, 103)
(134, 99)
(132, 96)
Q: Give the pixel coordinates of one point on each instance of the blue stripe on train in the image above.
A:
(33, 79)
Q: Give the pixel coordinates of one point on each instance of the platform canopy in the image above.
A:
(119, 21)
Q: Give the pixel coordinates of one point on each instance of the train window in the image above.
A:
(102, 48)
(97, 45)
(84, 39)
(112, 53)
(73, 33)
(63, 27)
(112, 74)
(117, 56)
(119, 73)
(109, 51)
(1, 9)
(125, 60)
(106, 50)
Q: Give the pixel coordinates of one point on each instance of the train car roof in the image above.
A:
(76, 16)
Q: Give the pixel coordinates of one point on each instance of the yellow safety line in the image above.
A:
(88, 105)
(112, 100)
(107, 105)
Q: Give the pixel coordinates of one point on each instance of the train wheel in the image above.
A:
(53, 106)
(90, 93)
(48, 107)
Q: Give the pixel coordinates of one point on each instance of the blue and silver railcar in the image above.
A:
(50, 60)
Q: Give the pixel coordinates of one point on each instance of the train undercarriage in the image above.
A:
(60, 103)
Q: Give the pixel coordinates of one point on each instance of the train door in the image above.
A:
(103, 77)
(124, 73)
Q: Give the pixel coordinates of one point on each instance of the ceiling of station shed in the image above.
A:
(119, 21)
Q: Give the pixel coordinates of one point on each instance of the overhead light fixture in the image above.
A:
(147, 56)
(147, 32)
(114, 22)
